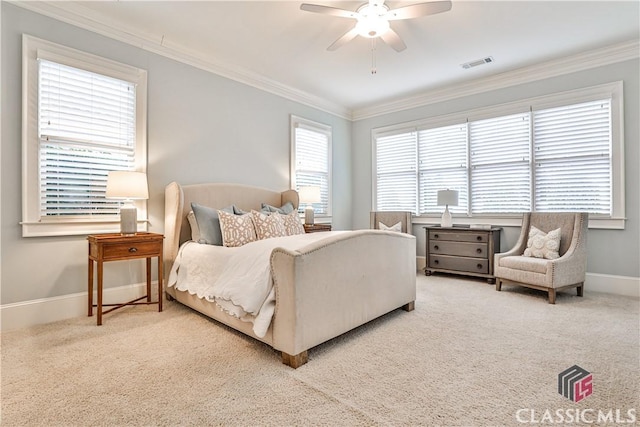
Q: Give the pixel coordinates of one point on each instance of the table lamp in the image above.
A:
(446, 198)
(127, 186)
(309, 195)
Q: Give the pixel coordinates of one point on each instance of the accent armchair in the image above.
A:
(523, 266)
(389, 219)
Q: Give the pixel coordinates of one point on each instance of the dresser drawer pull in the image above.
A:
(478, 238)
(133, 250)
(479, 251)
(435, 236)
(436, 247)
(479, 266)
(436, 261)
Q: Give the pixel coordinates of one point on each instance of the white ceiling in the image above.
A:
(277, 42)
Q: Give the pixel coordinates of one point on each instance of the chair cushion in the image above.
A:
(537, 265)
(543, 245)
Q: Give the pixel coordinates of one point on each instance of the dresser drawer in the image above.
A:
(476, 250)
(132, 250)
(459, 237)
(472, 265)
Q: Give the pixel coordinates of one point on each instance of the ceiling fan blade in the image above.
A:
(327, 10)
(417, 10)
(392, 38)
(346, 38)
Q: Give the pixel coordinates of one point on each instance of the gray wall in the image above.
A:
(615, 252)
(201, 128)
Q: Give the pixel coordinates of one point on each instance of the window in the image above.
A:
(85, 116)
(555, 153)
(311, 161)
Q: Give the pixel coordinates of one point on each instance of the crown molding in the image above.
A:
(582, 61)
(82, 17)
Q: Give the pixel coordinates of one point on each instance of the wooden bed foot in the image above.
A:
(410, 306)
(169, 297)
(295, 361)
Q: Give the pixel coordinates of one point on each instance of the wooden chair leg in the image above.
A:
(498, 284)
(580, 290)
(552, 296)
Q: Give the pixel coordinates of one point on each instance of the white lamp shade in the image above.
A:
(447, 197)
(309, 194)
(127, 185)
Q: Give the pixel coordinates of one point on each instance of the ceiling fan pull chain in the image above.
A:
(373, 57)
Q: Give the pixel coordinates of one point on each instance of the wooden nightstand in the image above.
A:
(314, 228)
(116, 247)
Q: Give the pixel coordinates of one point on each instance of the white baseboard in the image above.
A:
(595, 282)
(46, 310)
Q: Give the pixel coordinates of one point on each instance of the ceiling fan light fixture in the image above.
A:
(372, 22)
(372, 27)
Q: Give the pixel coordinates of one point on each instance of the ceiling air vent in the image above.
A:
(477, 62)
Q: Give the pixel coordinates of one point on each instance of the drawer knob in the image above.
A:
(436, 262)
(435, 236)
(133, 250)
(479, 251)
(436, 247)
(478, 238)
(479, 266)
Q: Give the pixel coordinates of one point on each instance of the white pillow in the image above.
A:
(292, 224)
(195, 231)
(268, 225)
(395, 227)
(237, 230)
(543, 245)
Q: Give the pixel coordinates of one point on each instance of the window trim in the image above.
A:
(614, 90)
(328, 132)
(32, 222)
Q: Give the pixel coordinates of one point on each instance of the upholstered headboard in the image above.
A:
(177, 204)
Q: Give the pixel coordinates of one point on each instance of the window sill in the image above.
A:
(516, 221)
(73, 227)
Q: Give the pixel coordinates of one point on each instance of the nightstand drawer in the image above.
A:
(444, 262)
(459, 237)
(477, 250)
(132, 250)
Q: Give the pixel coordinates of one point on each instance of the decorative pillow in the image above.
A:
(268, 225)
(543, 245)
(237, 230)
(292, 224)
(285, 209)
(238, 211)
(195, 231)
(395, 227)
(208, 224)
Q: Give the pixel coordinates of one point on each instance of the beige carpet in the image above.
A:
(467, 355)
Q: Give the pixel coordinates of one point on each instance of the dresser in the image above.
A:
(462, 250)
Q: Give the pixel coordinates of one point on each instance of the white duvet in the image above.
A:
(239, 279)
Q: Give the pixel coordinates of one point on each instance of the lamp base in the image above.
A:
(128, 220)
(309, 215)
(446, 218)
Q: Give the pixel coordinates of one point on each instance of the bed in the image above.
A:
(322, 289)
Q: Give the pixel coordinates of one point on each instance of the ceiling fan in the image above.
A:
(373, 20)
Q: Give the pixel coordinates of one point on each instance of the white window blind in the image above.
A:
(87, 127)
(566, 153)
(572, 148)
(443, 165)
(312, 148)
(396, 175)
(500, 164)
